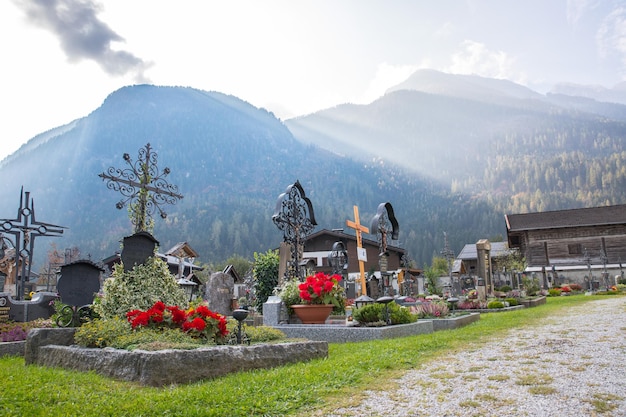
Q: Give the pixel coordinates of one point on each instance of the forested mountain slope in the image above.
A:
(490, 139)
(230, 161)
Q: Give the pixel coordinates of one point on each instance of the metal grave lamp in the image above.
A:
(453, 301)
(363, 300)
(386, 299)
(240, 315)
(188, 286)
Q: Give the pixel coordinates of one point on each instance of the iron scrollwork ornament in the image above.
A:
(143, 187)
(294, 216)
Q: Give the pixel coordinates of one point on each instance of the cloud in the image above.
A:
(82, 35)
(476, 58)
(386, 76)
(611, 37)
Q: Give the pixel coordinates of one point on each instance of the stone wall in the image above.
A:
(53, 347)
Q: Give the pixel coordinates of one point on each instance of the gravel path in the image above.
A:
(570, 365)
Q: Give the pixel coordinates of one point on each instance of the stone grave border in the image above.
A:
(54, 348)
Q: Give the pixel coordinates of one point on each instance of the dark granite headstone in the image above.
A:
(5, 307)
(350, 290)
(137, 249)
(21, 311)
(3, 279)
(79, 282)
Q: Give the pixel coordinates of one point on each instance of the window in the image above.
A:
(575, 249)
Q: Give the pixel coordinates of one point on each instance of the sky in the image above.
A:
(62, 58)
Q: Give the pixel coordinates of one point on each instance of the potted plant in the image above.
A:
(319, 295)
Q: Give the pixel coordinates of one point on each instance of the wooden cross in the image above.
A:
(358, 227)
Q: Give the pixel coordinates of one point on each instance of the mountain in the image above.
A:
(491, 139)
(230, 161)
(617, 94)
(451, 153)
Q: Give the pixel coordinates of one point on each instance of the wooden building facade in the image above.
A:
(566, 241)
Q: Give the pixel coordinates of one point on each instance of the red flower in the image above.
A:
(178, 315)
(321, 289)
(203, 311)
(197, 324)
(159, 305)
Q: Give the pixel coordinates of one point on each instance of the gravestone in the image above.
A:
(5, 307)
(271, 311)
(137, 249)
(21, 311)
(3, 279)
(219, 293)
(350, 290)
(79, 282)
(372, 287)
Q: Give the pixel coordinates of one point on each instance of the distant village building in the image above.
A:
(467, 259)
(179, 259)
(572, 245)
(318, 246)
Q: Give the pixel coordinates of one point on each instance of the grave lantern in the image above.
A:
(363, 301)
(338, 258)
(240, 315)
(187, 286)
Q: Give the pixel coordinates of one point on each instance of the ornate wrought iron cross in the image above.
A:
(143, 186)
(26, 228)
(383, 223)
(294, 216)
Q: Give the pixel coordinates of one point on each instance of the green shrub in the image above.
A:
(512, 301)
(152, 338)
(139, 289)
(369, 313)
(265, 275)
(531, 285)
(504, 288)
(554, 292)
(290, 294)
(101, 333)
(375, 313)
(495, 304)
(260, 334)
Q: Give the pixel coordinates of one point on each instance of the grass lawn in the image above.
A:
(299, 389)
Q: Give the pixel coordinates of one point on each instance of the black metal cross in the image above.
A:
(381, 222)
(143, 186)
(26, 228)
(294, 216)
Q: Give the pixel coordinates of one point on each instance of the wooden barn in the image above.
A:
(571, 245)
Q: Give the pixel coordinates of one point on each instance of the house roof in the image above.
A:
(182, 250)
(593, 216)
(342, 235)
(497, 249)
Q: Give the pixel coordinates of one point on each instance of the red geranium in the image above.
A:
(322, 289)
(200, 322)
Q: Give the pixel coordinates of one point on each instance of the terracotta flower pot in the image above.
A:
(312, 313)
